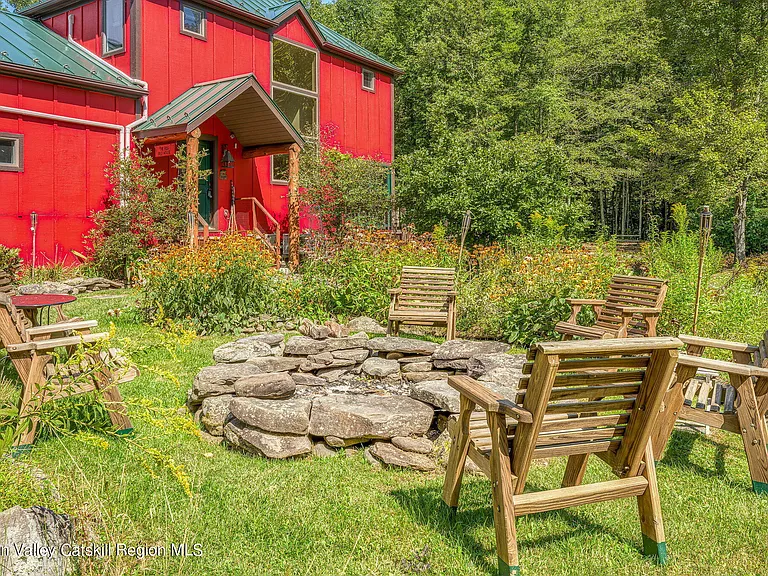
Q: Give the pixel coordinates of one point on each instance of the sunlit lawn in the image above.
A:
(339, 516)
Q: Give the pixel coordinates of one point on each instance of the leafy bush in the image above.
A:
(217, 287)
(10, 260)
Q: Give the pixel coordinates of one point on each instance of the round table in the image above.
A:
(31, 303)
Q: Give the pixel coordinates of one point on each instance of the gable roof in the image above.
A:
(268, 13)
(240, 103)
(30, 49)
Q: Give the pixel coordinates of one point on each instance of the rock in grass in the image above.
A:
(270, 386)
(265, 444)
(374, 417)
(381, 367)
(322, 450)
(393, 456)
(419, 445)
(279, 416)
(218, 380)
(241, 351)
(437, 393)
(337, 442)
(215, 411)
(34, 527)
(371, 459)
(403, 345)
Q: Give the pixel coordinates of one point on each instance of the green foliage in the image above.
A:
(10, 261)
(216, 287)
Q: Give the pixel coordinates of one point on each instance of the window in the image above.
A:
(114, 27)
(369, 80)
(294, 90)
(192, 21)
(11, 152)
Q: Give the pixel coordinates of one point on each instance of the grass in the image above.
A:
(340, 517)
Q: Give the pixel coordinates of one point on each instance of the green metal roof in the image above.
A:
(28, 44)
(336, 39)
(253, 117)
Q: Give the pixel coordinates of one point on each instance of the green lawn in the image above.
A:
(339, 516)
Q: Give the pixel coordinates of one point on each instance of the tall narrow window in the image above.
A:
(11, 152)
(294, 90)
(114, 26)
(369, 80)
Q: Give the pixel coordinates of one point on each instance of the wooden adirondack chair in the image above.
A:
(631, 308)
(426, 297)
(739, 406)
(599, 397)
(31, 350)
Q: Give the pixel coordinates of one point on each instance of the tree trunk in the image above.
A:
(740, 223)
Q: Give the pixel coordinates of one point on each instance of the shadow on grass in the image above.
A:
(425, 505)
(680, 448)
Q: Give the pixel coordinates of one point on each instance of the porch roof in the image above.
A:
(239, 102)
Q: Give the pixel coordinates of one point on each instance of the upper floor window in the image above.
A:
(294, 90)
(11, 152)
(369, 80)
(113, 23)
(192, 21)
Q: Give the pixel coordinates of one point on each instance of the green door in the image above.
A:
(205, 186)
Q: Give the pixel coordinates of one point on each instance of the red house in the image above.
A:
(247, 80)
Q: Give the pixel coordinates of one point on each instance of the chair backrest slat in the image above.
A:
(425, 288)
(634, 291)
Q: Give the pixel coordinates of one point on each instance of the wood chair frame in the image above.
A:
(631, 308)
(599, 397)
(31, 351)
(739, 407)
(425, 297)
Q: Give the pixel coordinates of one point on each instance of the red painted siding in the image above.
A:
(87, 31)
(63, 178)
(294, 29)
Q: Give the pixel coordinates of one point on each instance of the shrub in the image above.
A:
(217, 287)
(10, 260)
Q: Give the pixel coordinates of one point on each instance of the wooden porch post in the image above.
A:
(294, 234)
(191, 182)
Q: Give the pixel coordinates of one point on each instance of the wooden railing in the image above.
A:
(194, 221)
(256, 205)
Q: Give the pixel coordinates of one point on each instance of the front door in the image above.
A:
(205, 186)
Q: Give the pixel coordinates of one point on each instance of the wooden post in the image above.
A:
(294, 234)
(191, 182)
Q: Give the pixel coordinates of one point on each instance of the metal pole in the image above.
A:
(705, 230)
(465, 224)
(33, 227)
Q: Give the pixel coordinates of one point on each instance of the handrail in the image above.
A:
(206, 227)
(256, 204)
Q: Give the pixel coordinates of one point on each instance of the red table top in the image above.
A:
(41, 300)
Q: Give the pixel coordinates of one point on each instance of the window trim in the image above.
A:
(204, 22)
(18, 165)
(104, 49)
(300, 92)
(362, 80)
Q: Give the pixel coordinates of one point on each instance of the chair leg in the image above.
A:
(31, 401)
(673, 402)
(753, 432)
(575, 469)
(502, 483)
(454, 470)
(113, 400)
(390, 327)
(649, 506)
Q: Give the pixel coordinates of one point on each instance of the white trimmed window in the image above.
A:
(193, 21)
(369, 80)
(294, 90)
(113, 27)
(11, 152)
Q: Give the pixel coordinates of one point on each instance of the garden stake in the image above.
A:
(705, 229)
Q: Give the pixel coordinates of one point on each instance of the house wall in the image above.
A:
(63, 178)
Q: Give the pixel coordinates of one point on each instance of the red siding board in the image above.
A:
(294, 29)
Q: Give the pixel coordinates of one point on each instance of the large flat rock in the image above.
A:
(31, 529)
(276, 363)
(402, 345)
(219, 379)
(380, 367)
(437, 393)
(464, 349)
(279, 416)
(241, 351)
(265, 444)
(502, 369)
(375, 417)
(305, 346)
(275, 385)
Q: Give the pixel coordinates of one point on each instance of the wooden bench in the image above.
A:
(578, 398)
(32, 351)
(631, 308)
(426, 297)
(739, 406)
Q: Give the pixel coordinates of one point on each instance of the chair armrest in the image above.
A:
(630, 310)
(489, 400)
(585, 301)
(720, 344)
(452, 294)
(394, 291)
(722, 366)
(61, 327)
(43, 345)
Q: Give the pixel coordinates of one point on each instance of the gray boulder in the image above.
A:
(380, 367)
(460, 364)
(276, 363)
(464, 349)
(356, 354)
(271, 386)
(32, 529)
(301, 379)
(332, 374)
(365, 324)
(402, 345)
(241, 351)
(393, 456)
(375, 417)
(215, 411)
(305, 346)
(279, 416)
(425, 376)
(218, 380)
(269, 338)
(501, 369)
(322, 450)
(417, 367)
(264, 444)
(437, 393)
(419, 445)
